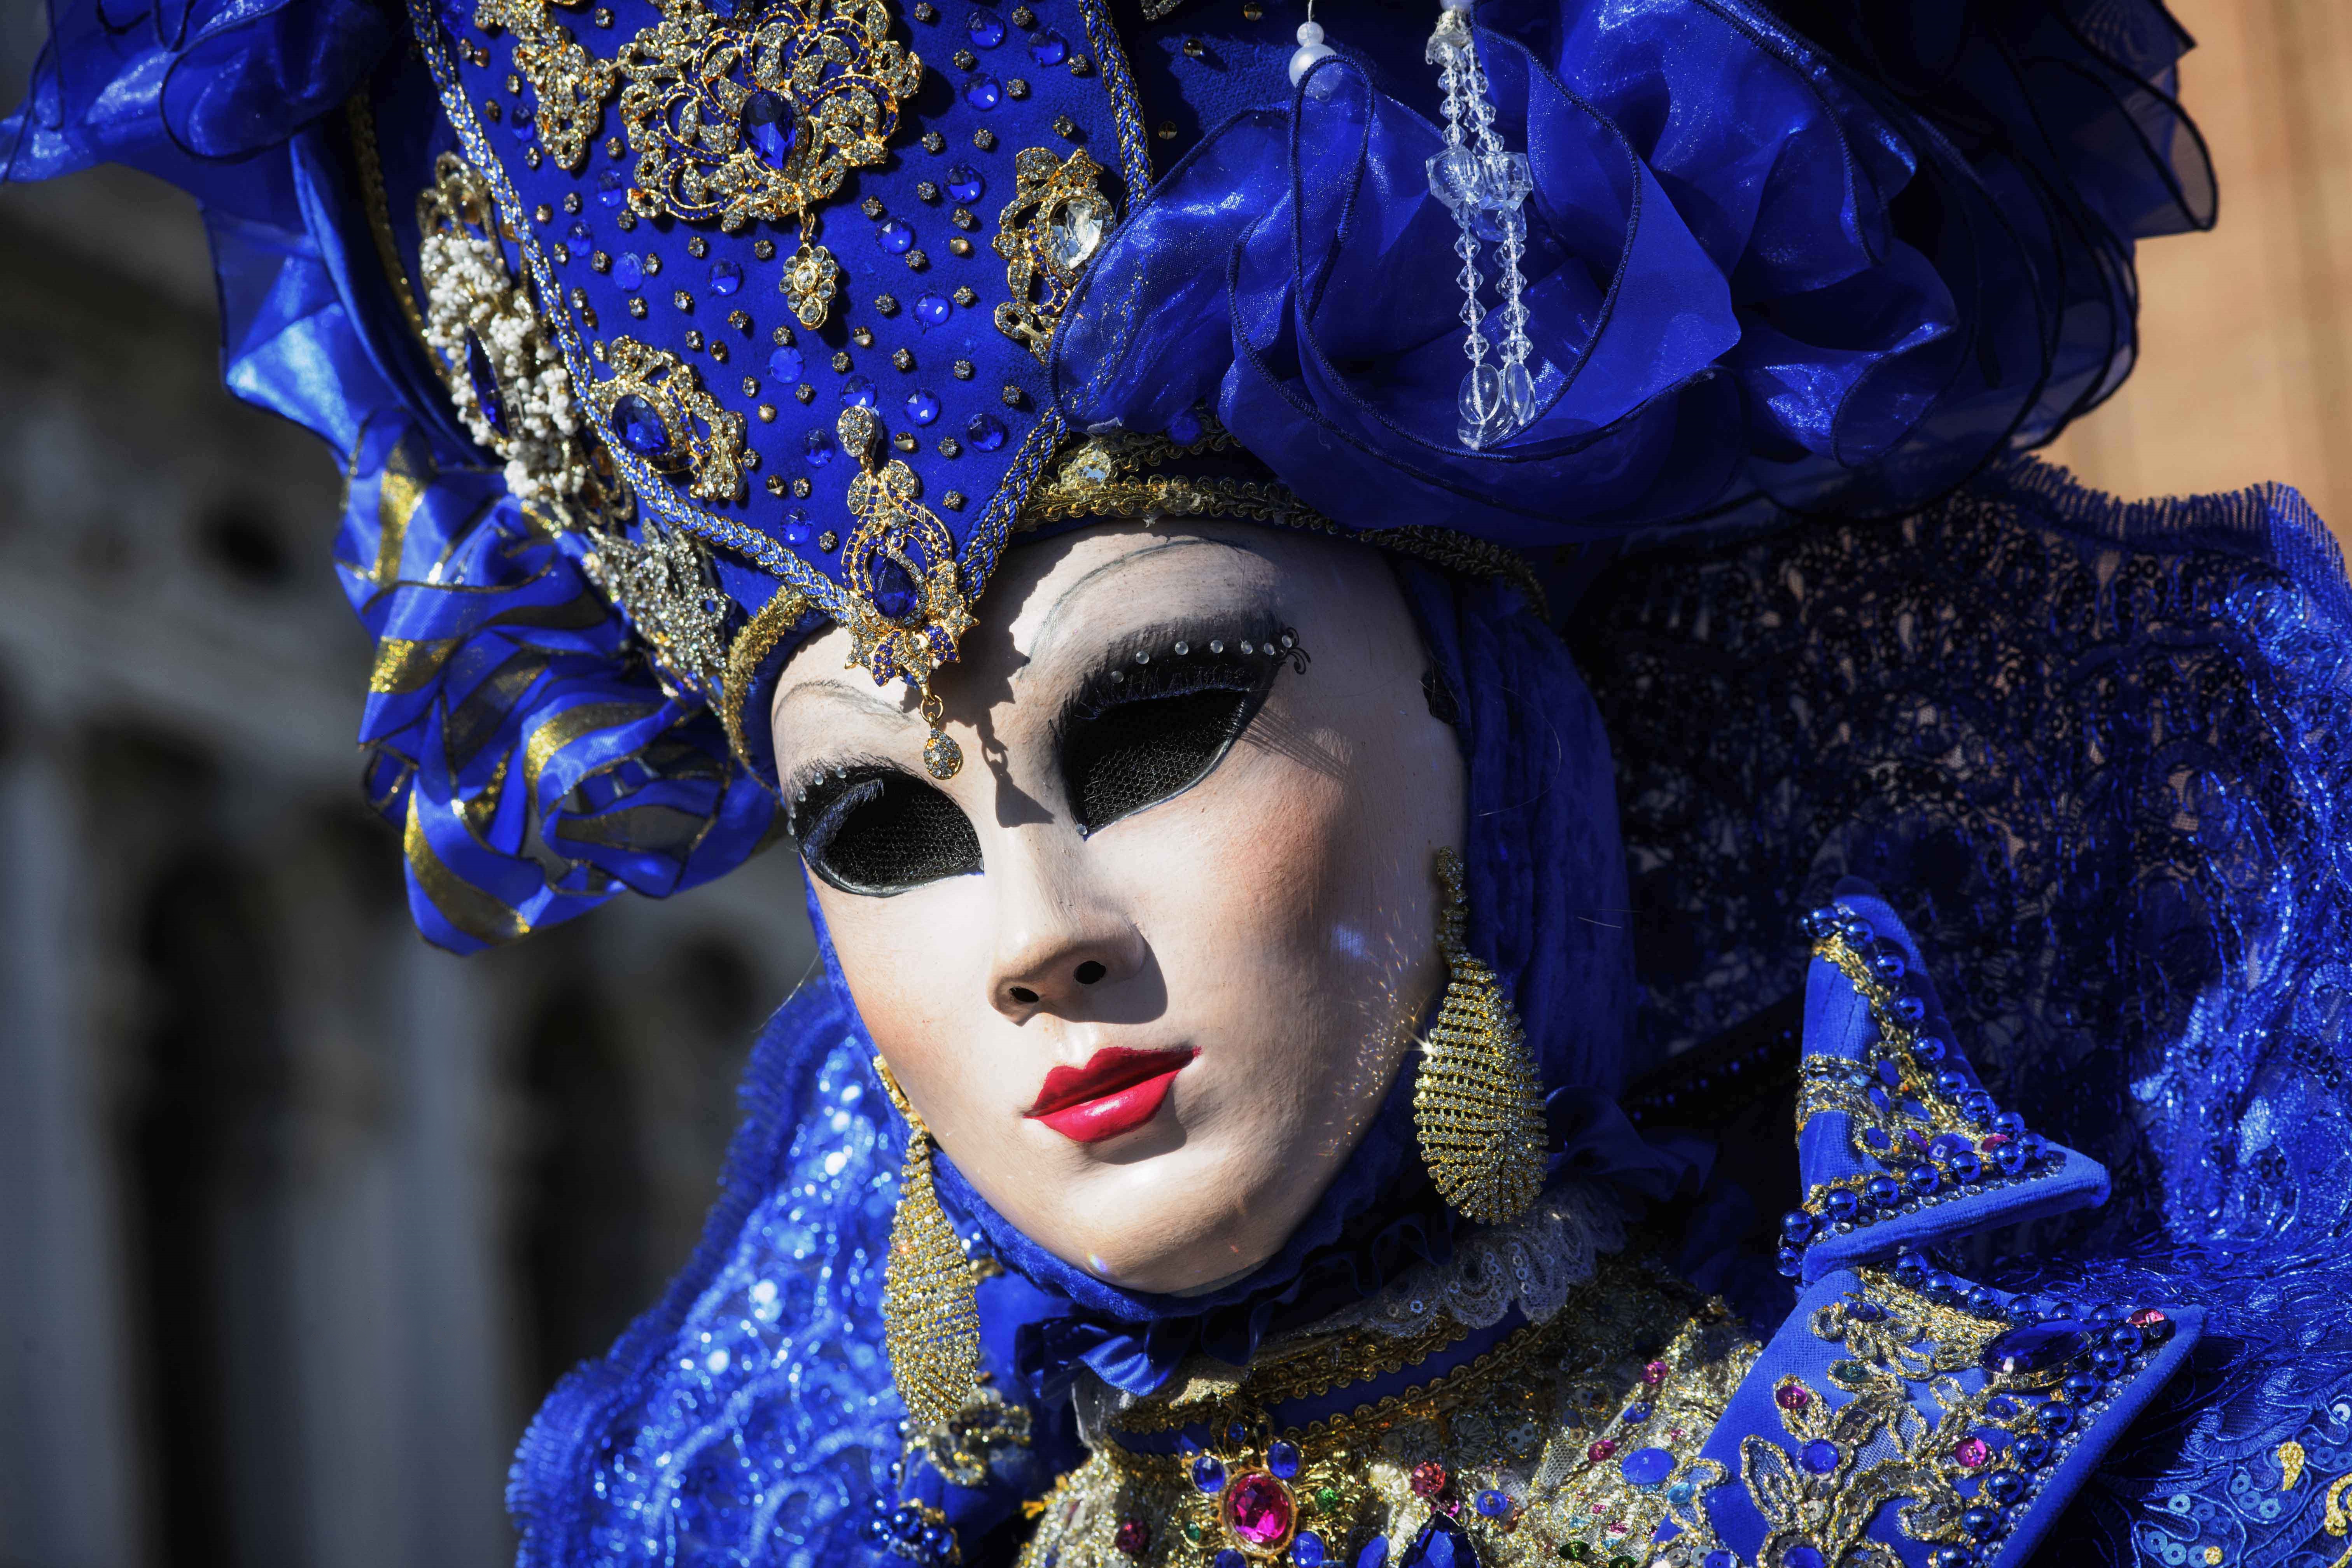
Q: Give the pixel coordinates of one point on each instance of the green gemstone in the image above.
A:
(1621, 1560)
(1574, 1552)
(1192, 1533)
(1327, 1498)
(1849, 1371)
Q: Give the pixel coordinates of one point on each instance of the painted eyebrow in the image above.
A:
(831, 688)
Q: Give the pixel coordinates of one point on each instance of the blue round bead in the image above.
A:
(894, 236)
(964, 184)
(1049, 48)
(1840, 1204)
(2004, 1486)
(2030, 1451)
(1910, 1009)
(2055, 1420)
(1854, 929)
(986, 433)
(1950, 1082)
(932, 309)
(628, 271)
(1647, 1466)
(1911, 1269)
(724, 278)
(982, 91)
(857, 392)
(1887, 964)
(1283, 1460)
(1208, 1474)
(1929, 1050)
(2082, 1384)
(1980, 1522)
(1820, 1456)
(1493, 1504)
(1923, 1180)
(1966, 1167)
(1797, 1225)
(1884, 1191)
(2010, 1124)
(1983, 1298)
(2127, 1338)
(1228, 1558)
(797, 534)
(784, 365)
(2010, 1158)
(986, 31)
(1308, 1551)
(1950, 1557)
(818, 446)
(922, 408)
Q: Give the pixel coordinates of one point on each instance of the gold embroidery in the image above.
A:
(2290, 1457)
(929, 1316)
(569, 83)
(1633, 1360)
(697, 434)
(763, 120)
(1055, 223)
(1478, 1101)
(777, 620)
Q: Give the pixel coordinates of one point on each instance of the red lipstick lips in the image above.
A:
(1117, 1091)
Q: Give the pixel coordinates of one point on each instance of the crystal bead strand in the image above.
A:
(1484, 187)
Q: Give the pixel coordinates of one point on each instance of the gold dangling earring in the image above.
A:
(931, 1319)
(1477, 1103)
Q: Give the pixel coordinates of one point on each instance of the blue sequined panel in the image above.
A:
(750, 1419)
(2095, 754)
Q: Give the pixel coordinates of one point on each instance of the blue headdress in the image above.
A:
(656, 336)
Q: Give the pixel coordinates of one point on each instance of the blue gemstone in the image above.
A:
(796, 528)
(964, 184)
(1950, 1082)
(1801, 1556)
(2030, 1451)
(724, 278)
(1208, 1474)
(1841, 1204)
(1820, 1456)
(1910, 1009)
(1884, 1191)
(1720, 1560)
(2010, 1124)
(579, 233)
(1442, 1543)
(2038, 1349)
(986, 433)
(1980, 1522)
(924, 409)
(1862, 1311)
(1797, 1225)
(1375, 1553)
(2055, 1420)
(1966, 1167)
(857, 392)
(986, 31)
(932, 309)
(1887, 964)
(1048, 49)
(2010, 1158)
(1923, 1180)
(2004, 1486)
(628, 271)
(894, 236)
(1929, 1048)
(784, 365)
(611, 189)
(1492, 1504)
(819, 446)
(639, 425)
(2084, 1384)
(894, 593)
(982, 91)
(1647, 1466)
(1308, 1551)
(1229, 1557)
(485, 382)
(1236, 1436)
(771, 124)
(1680, 1493)
(1282, 1458)
(1637, 1414)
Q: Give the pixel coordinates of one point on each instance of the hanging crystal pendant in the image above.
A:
(1484, 187)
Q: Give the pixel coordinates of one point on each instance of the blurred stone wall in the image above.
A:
(299, 1218)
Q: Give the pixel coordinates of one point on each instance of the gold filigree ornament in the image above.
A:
(906, 608)
(569, 83)
(664, 584)
(1477, 1101)
(654, 404)
(504, 373)
(1055, 222)
(930, 1314)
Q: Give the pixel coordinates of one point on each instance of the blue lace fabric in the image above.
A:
(2093, 753)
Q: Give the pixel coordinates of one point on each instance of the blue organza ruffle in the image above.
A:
(1750, 269)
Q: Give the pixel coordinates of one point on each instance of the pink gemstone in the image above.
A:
(1971, 1452)
(1601, 1451)
(1654, 1374)
(1792, 1396)
(1259, 1509)
(1993, 1140)
(2146, 1316)
(1599, 1508)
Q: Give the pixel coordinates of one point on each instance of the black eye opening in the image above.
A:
(1159, 717)
(876, 829)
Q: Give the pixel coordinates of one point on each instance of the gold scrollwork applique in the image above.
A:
(907, 605)
(761, 119)
(655, 405)
(1055, 223)
(569, 84)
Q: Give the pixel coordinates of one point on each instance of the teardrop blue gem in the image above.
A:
(639, 425)
(768, 121)
(486, 384)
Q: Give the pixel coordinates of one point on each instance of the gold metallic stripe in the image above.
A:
(462, 904)
(399, 490)
(379, 212)
(402, 666)
(570, 725)
(751, 647)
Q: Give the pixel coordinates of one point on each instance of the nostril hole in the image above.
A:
(1089, 972)
(1023, 994)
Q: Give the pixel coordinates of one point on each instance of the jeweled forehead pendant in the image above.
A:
(1484, 187)
(906, 605)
